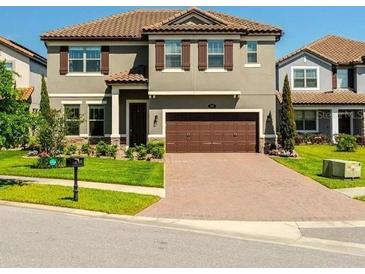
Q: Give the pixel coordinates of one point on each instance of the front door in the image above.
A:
(344, 123)
(137, 124)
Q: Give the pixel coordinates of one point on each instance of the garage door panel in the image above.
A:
(230, 133)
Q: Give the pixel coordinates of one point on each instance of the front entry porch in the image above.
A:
(331, 121)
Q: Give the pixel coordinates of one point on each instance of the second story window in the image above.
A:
(305, 78)
(251, 52)
(342, 78)
(215, 54)
(84, 59)
(9, 66)
(173, 54)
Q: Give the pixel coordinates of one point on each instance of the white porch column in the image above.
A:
(115, 112)
(334, 123)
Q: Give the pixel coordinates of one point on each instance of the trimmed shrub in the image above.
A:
(312, 138)
(129, 153)
(141, 152)
(71, 149)
(156, 149)
(112, 151)
(43, 162)
(346, 142)
(86, 149)
(101, 149)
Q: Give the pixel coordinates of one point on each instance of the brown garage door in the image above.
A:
(212, 132)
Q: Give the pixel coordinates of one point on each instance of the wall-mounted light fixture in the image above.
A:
(155, 121)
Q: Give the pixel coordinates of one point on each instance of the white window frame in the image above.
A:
(215, 69)
(304, 68)
(84, 59)
(101, 106)
(317, 121)
(12, 65)
(172, 69)
(73, 104)
(248, 51)
(347, 78)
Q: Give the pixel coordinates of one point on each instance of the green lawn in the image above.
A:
(140, 173)
(310, 159)
(89, 199)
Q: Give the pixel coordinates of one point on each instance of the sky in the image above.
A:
(301, 25)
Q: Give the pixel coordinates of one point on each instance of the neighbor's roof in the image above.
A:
(25, 93)
(133, 24)
(125, 77)
(23, 50)
(326, 98)
(334, 49)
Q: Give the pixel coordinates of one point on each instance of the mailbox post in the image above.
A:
(75, 162)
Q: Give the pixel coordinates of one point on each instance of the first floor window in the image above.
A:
(173, 54)
(251, 52)
(96, 120)
(342, 78)
(72, 113)
(305, 78)
(215, 53)
(84, 59)
(306, 120)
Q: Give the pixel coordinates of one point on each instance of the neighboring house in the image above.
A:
(203, 81)
(327, 79)
(28, 68)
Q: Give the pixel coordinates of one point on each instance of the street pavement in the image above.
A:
(40, 238)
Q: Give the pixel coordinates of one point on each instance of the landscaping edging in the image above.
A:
(103, 186)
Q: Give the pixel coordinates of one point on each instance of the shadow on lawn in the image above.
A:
(67, 198)
(11, 182)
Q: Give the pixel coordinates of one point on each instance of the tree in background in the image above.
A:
(287, 123)
(45, 108)
(15, 118)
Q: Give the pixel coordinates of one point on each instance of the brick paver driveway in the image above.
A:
(246, 187)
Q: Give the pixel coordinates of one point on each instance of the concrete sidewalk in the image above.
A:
(104, 186)
(352, 191)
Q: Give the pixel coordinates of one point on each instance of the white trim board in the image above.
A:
(192, 92)
(127, 117)
(71, 102)
(56, 95)
(96, 102)
(164, 111)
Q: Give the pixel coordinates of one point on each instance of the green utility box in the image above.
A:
(341, 169)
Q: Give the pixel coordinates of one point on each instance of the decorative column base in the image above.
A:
(115, 140)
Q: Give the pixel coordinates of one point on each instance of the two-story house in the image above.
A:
(327, 79)
(28, 68)
(203, 81)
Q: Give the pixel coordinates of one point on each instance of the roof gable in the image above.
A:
(333, 49)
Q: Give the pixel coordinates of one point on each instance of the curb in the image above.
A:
(282, 233)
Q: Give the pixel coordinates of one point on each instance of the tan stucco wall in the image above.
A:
(121, 58)
(248, 80)
(21, 65)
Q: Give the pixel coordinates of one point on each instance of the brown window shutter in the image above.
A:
(202, 55)
(334, 77)
(63, 60)
(228, 54)
(351, 78)
(105, 60)
(159, 55)
(186, 55)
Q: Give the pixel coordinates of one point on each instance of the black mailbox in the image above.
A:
(75, 162)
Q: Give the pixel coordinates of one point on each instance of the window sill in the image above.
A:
(252, 65)
(173, 70)
(84, 74)
(305, 89)
(308, 131)
(216, 70)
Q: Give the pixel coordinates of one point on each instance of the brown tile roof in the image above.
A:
(131, 25)
(25, 93)
(326, 98)
(23, 50)
(125, 77)
(334, 49)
